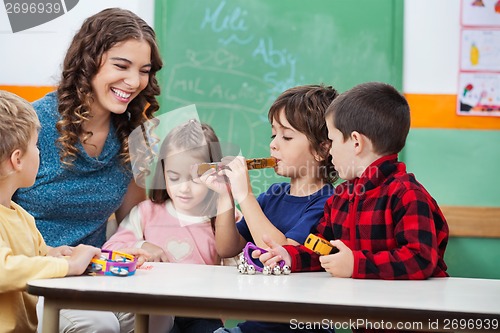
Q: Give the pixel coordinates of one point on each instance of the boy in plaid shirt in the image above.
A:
(382, 220)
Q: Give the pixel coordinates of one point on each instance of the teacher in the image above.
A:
(107, 89)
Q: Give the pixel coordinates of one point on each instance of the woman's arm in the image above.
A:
(135, 194)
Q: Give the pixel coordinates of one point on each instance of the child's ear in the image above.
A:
(357, 141)
(361, 143)
(324, 149)
(15, 160)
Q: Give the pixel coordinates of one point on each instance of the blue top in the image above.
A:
(294, 217)
(71, 205)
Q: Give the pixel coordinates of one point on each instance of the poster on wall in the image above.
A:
(479, 77)
(480, 12)
(479, 94)
(480, 50)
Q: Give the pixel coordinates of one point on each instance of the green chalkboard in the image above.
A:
(232, 58)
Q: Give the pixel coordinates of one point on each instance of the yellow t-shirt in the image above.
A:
(22, 258)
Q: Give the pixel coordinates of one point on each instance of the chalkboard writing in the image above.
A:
(233, 58)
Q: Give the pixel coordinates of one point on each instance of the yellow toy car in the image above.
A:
(319, 245)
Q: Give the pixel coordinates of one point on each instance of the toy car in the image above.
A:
(319, 245)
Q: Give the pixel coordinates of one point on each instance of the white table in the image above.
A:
(299, 298)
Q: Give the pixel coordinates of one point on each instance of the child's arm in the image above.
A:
(155, 253)
(413, 251)
(80, 259)
(17, 270)
(141, 255)
(257, 221)
(228, 241)
(340, 264)
(275, 253)
(59, 251)
(130, 234)
(302, 259)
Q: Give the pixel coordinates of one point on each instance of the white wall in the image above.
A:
(431, 44)
(33, 57)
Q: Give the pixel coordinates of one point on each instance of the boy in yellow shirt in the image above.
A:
(24, 255)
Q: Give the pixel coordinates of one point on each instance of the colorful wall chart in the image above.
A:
(479, 76)
(480, 12)
(479, 94)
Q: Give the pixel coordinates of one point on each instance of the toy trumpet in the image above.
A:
(253, 163)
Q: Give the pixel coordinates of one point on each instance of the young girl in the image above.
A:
(286, 212)
(176, 224)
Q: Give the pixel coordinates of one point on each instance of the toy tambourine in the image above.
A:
(249, 265)
(113, 263)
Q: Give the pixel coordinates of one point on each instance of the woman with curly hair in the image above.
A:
(107, 89)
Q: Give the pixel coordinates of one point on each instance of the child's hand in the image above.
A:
(80, 258)
(216, 181)
(60, 251)
(237, 172)
(141, 254)
(156, 253)
(275, 253)
(340, 264)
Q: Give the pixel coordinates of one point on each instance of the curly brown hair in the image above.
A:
(97, 35)
(305, 107)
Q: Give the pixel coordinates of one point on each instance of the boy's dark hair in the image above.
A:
(376, 110)
(305, 108)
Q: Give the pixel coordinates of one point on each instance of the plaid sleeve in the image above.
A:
(412, 251)
(303, 259)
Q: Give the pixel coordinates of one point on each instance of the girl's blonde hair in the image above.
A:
(194, 138)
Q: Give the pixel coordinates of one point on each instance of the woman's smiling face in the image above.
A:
(123, 74)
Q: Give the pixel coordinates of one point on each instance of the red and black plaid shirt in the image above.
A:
(390, 222)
